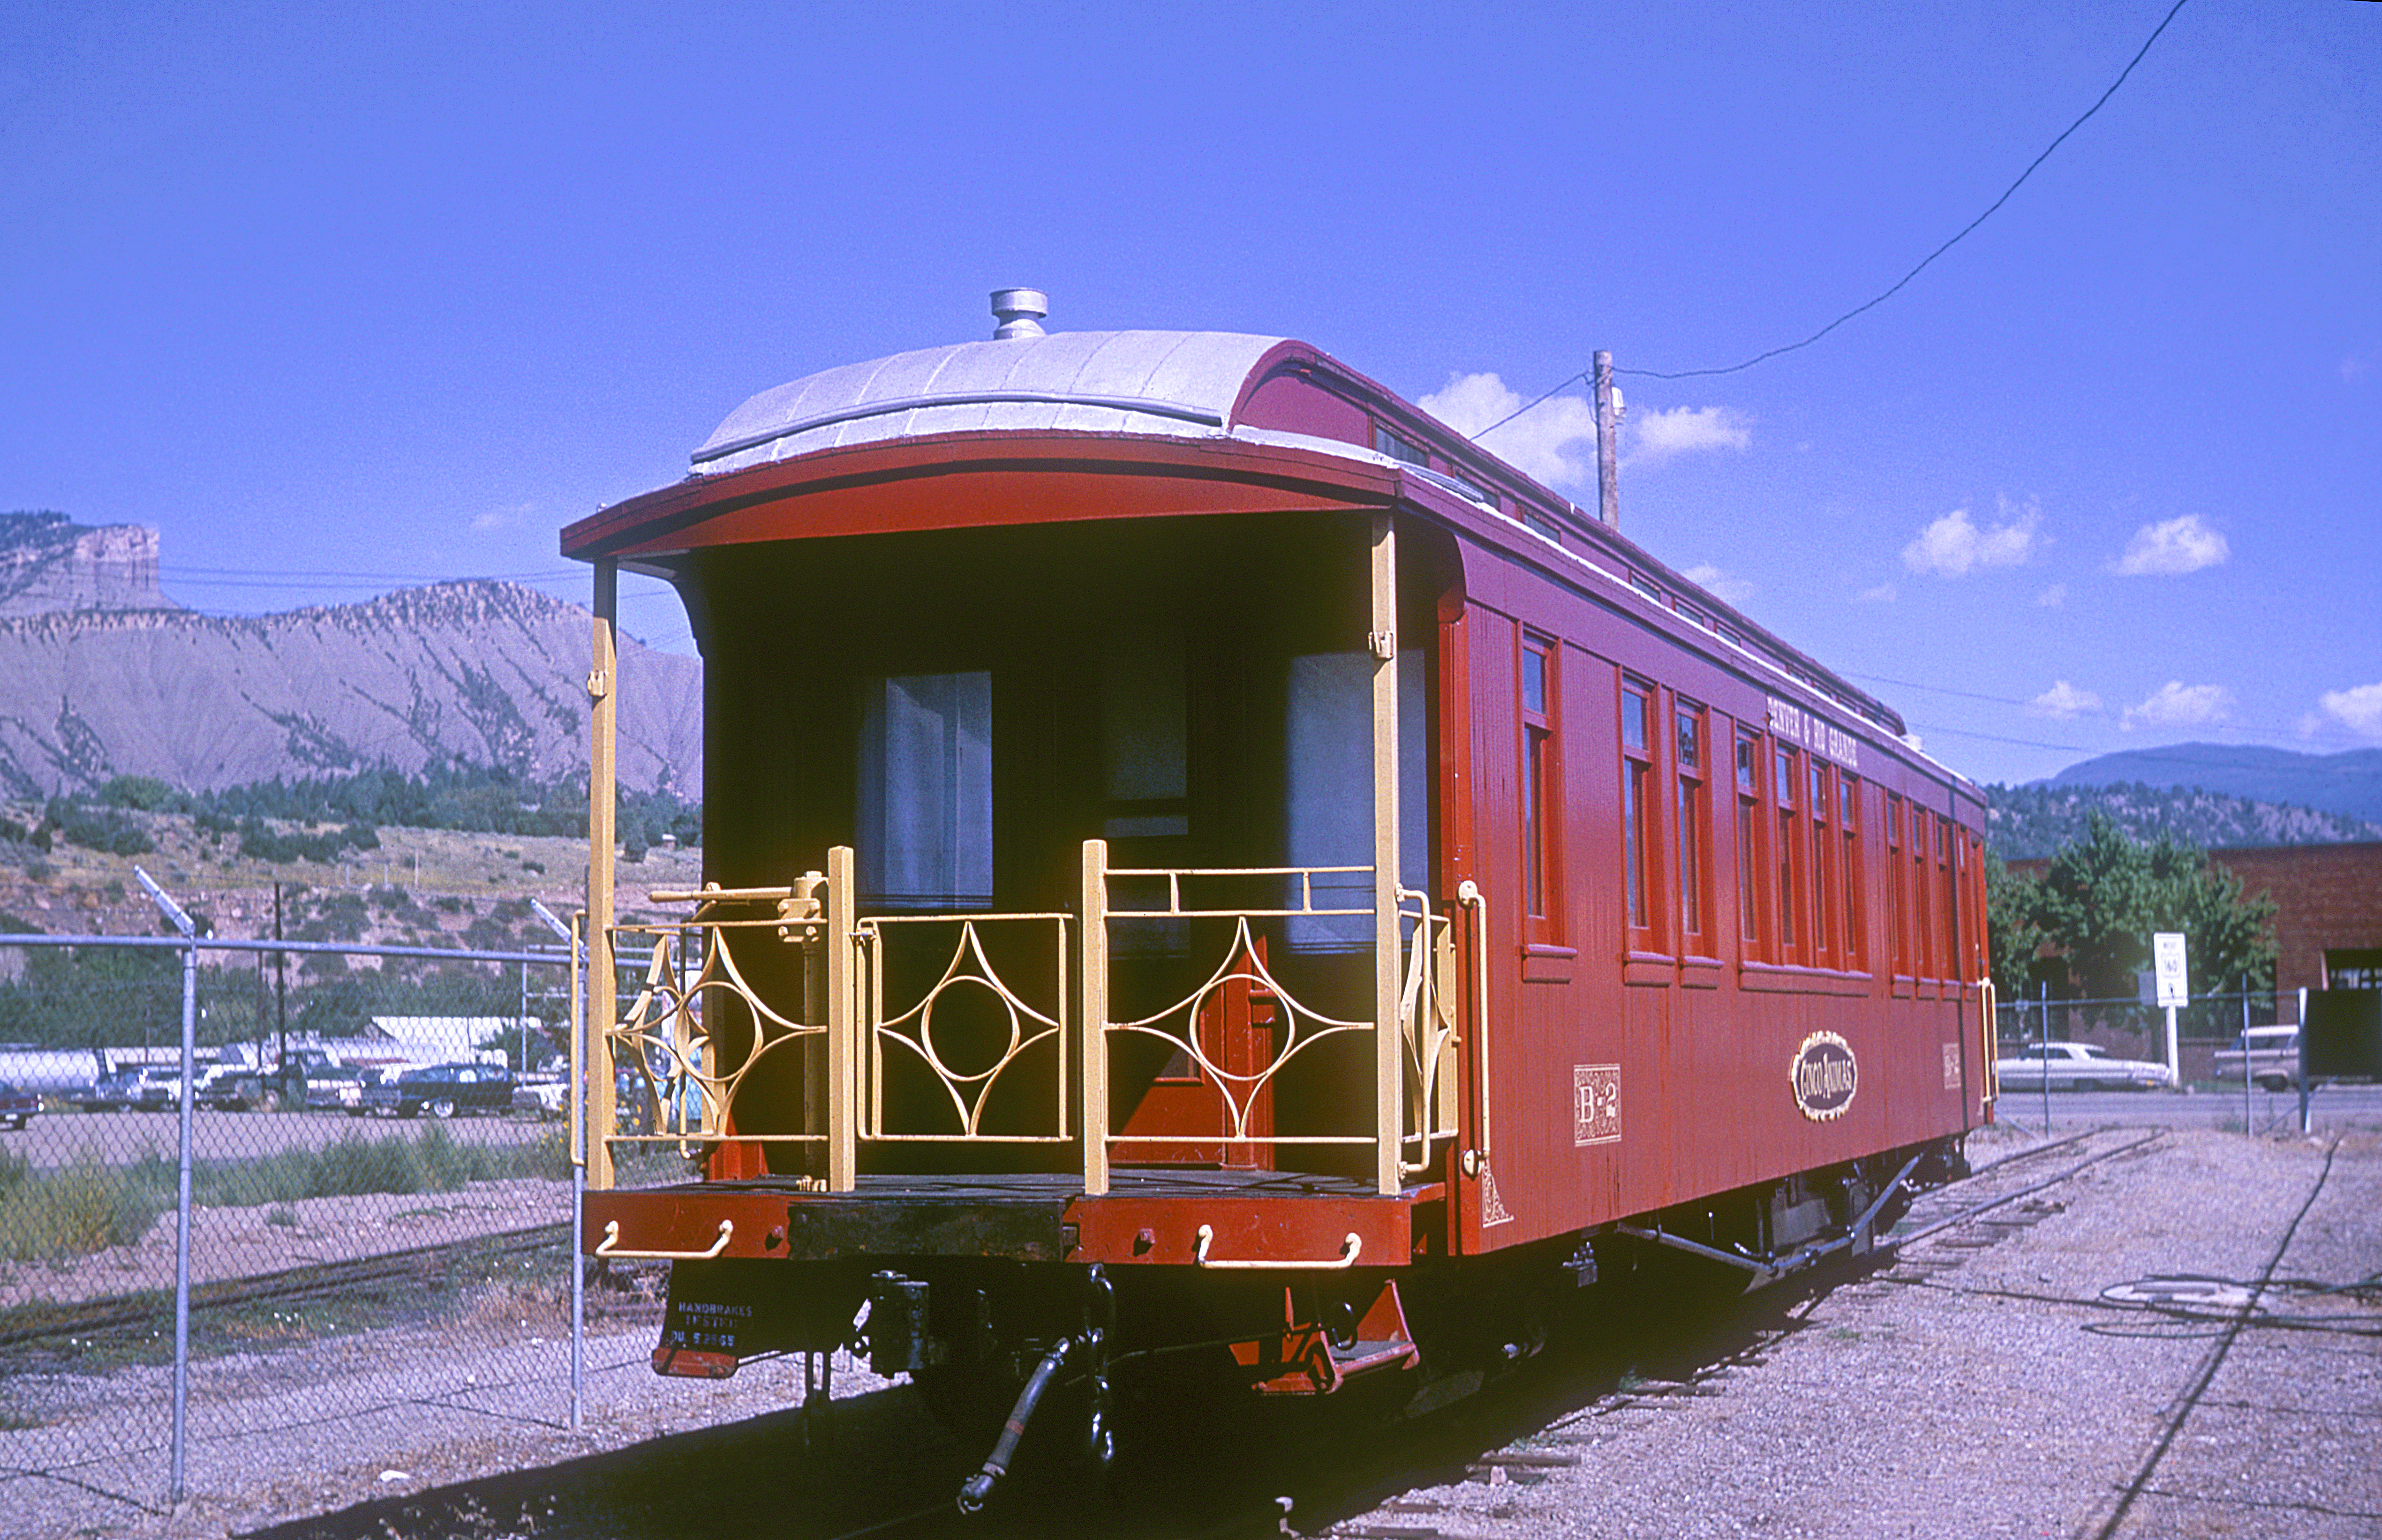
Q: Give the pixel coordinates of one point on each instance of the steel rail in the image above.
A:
(1966, 1214)
(317, 1278)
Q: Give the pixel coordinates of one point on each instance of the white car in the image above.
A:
(2271, 1054)
(2078, 1067)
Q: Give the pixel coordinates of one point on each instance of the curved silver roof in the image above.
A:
(1180, 384)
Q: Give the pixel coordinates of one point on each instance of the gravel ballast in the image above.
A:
(1980, 1385)
(1984, 1386)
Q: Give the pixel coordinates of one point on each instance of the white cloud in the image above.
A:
(1656, 436)
(1555, 442)
(2053, 597)
(1884, 593)
(2359, 710)
(1710, 579)
(1955, 546)
(2063, 702)
(2177, 704)
(2171, 547)
(503, 518)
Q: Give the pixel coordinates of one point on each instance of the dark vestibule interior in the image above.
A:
(965, 708)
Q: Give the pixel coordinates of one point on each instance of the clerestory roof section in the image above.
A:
(1180, 383)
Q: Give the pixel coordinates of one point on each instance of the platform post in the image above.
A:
(841, 915)
(1388, 1077)
(603, 981)
(1094, 974)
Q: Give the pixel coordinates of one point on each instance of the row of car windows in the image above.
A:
(1805, 832)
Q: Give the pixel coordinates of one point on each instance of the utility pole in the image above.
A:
(1608, 444)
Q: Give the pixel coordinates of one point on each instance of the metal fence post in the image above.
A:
(572, 1111)
(182, 922)
(2043, 996)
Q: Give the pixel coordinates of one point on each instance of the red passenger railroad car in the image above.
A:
(1210, 873)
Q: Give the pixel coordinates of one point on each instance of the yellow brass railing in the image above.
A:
(975, 1057)
(677, 1085)
(1303, 1026)
(1028, 1034)
(1426, 1023)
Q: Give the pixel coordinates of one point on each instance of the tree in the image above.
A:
(2013, 935)
(2103, 898)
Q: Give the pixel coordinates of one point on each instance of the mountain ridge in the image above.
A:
(2349, 783)
(476, 669)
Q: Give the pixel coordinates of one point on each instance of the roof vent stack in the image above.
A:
(1020, 312)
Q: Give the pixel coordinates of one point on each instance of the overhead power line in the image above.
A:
(1899, 284)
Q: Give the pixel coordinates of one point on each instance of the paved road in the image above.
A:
(119, 1137)
(2331, 1108)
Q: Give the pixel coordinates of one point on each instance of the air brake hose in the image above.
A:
(977, 1489)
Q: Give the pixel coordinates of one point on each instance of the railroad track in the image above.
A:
(884, 1473)
(39, 1322)
(1941, 1228)
(1374, 1483)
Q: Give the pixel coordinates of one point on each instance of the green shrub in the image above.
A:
(83, 1208)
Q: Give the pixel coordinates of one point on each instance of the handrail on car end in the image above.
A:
(716, 893)
(1468, 893)
(611, 1245)
(1349, 1246)
(1990, 1075)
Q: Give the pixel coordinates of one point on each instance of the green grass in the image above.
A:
(89, 1206)
(84, 1206)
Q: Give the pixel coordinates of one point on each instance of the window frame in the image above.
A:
(1691, 825)
(1641, 789)
(1749, 758)
(1849, 820)
(1922, 925)
(1786, 847)
(1540, 741)
(1897, 887)
(1821, 786)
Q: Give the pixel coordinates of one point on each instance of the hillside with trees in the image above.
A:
(2031, 822)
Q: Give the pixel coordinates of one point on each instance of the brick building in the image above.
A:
(2327, 911)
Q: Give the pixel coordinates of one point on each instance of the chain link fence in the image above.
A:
(2129, 1028)
(374, 1214)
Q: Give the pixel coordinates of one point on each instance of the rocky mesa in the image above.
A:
(101, 676)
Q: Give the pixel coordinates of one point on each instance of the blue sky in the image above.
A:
(343, 296)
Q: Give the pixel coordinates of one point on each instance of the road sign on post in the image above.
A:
(2167, 961)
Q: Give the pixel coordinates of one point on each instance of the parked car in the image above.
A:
(445, 1089)
(228, 1088)
(544, 1097)
(2270, 1053)
(356, 1096)
(330, 1085)
(2078, 1067)
(157, 1088)
(113, 1091)
(17, 1108)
